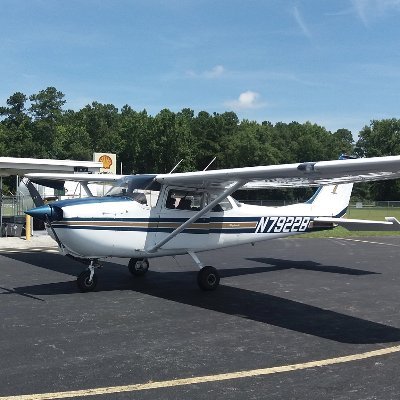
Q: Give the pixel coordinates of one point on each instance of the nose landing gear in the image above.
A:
(87, 280)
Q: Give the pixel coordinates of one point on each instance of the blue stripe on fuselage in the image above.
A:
(90, 200)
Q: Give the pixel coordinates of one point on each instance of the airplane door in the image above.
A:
(177, 206)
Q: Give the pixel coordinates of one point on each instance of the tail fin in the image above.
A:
(331, 200)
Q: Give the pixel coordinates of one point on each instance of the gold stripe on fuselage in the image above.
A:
(164, 225)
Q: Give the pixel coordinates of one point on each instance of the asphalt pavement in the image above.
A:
(281, 306)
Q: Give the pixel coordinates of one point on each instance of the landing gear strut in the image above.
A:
(87, 280)
(208, 277)
(138, 266)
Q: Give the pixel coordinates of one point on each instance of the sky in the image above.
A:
(334, 63)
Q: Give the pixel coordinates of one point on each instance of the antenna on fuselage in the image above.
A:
(210, 163)
(176, 166)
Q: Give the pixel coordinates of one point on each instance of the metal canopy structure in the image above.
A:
(12, 166)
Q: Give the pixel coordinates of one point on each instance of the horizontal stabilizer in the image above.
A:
(391, 224)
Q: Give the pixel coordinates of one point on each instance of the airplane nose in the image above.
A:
(52, 212)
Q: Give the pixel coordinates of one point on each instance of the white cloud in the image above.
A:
(213, 73)
(300, 22)
(246, 100)
(361, 9)
(369, 9)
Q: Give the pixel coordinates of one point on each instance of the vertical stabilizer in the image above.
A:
(331, 200)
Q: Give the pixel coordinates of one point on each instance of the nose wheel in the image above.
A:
(87, 280)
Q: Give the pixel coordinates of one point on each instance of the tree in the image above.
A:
(3, 141)
(101, 123)
(47, 104)
(46, 110)
(206, 139)
(250, 146)
(17, 128)
(184, 140)
(145, 143)
(381, 138)
(343, 141)
(169, 141)
(72, 141)
(15, 113)
(134, 128)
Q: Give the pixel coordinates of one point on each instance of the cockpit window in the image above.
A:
(140, 188)
(185, 200)
(194, 201)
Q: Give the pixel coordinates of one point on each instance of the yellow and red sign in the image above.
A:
(109, 161)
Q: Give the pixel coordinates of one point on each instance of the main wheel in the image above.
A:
(208, 278)
(138, 266)
(84, 283)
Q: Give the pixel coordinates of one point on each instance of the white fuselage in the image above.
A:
(98, 229)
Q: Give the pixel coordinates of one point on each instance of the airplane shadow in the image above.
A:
(279, 265)
(180, 287)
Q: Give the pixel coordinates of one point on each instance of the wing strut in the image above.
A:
(195, 217)
(86, 189)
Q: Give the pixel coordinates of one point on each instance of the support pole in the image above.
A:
(28, 219)
(1, 206)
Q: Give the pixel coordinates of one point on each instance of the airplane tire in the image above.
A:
(138, 266)
(208, 278)
(83, 282)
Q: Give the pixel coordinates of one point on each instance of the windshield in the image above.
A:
(137, 187)
(129, 184)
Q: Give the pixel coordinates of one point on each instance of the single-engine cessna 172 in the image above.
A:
(146, 216)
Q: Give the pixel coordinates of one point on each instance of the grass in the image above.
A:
(373, 213)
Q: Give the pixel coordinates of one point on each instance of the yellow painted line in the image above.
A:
(30, 250)
(205, 378)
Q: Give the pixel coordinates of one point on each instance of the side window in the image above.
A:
(184, 200)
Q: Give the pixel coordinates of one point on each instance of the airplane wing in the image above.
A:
(291, 175)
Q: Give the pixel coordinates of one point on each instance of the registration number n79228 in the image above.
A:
(282, 224)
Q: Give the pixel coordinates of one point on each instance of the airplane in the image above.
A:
(154, 215)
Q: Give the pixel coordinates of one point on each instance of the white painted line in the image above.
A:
(204, 379)
(366, 241)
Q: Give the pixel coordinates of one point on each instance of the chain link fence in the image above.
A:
(12, 217)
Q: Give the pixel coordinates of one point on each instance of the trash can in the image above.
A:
(12, 229)
(3, 229)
